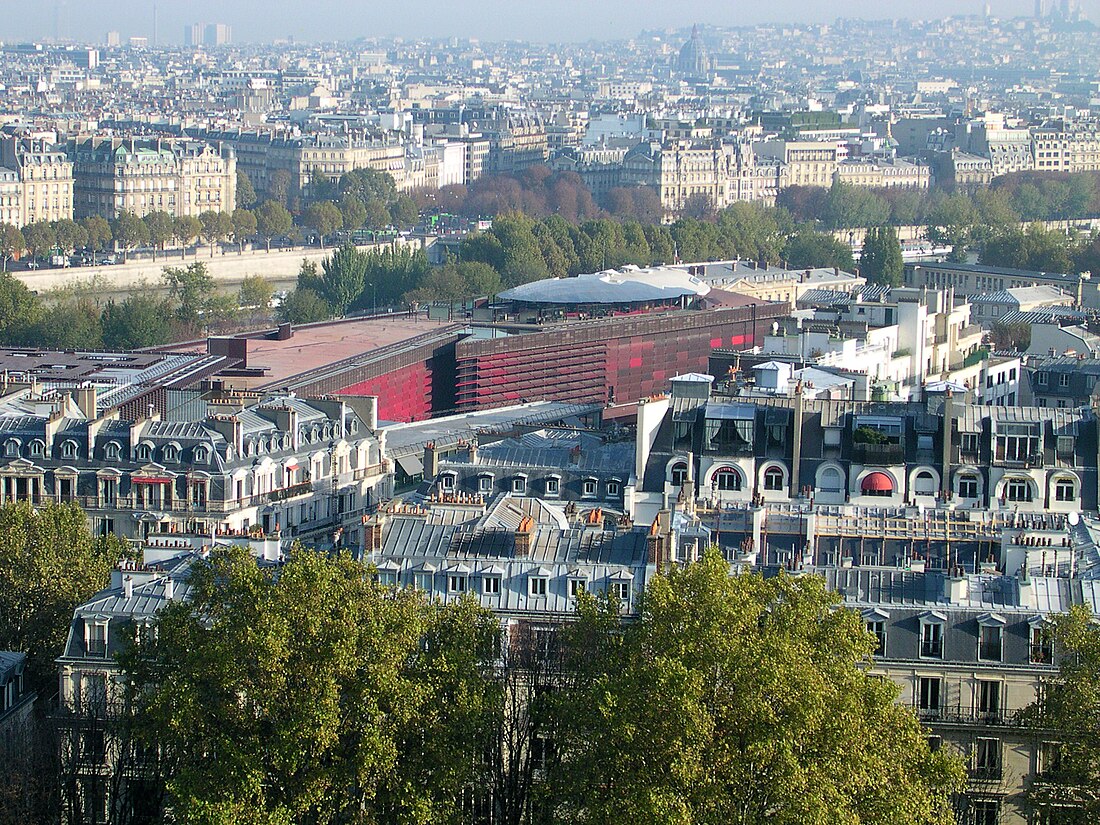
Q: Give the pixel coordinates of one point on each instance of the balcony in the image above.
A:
(972, 715)
(987, 773)
(878, 455)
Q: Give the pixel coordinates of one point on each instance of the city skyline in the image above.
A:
(482, 19)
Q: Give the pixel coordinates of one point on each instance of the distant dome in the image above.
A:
(694, 60)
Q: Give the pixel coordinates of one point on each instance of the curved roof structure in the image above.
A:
(626, 286)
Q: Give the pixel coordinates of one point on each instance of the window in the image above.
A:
(93, 690)
(1065, 445)
(538, 585)
(422, 581)
(490, 585)
(447, 482)
(773, 478)
(924, 484)
(1042, 379)
(11, 448)
(484, 484)
(170, 453)
(726, 479)
(621, 591)
(1017, 489)
(95, 637)
(1017, 442)
(986, 812)
(519, 485)
(987, 759)
(931, 640)
(830, 480)
(201, 455)
(968, 486)
(38, 449)
(1063, 379)
(144, 452)
(612, 488)
(679, 475)
(929, 695)
(456, 583)
(970, 443)
(935, 743)
(1065, 490)
(1048, 758)
(387, 578)
(590, 486)
(877, 628)
(989, 643)
(68, 449)
(1041, 650)
(989, 699)
(576, 587)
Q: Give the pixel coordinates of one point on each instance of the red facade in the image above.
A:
(403, 395)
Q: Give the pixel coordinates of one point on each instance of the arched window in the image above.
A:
(773, 478)
(1018, 489)
(679, 474)
(924, 484)
(830, 481)
(144, 452)
(201, 455)
(68, 449)
(1065, 490)
(11, 447)
(726, 479)
(170, 453)
(968, 486)
(38, 449)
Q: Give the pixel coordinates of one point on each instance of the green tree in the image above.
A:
(39, 237)
(142, 320)
(186, 228)
(951, 222)
(752, 696)
(360, 703)
(191, 287)
(272, 221)
(1012, 336)
(129, 231)
(216, 227)
(378, 215)
(304, 306)
(246, 193)
(321, 188)
(880, 261)
(324, 218)
(12, 243)
(255, 291)
(1068, 712)
(278, 187)
(403, 211)
(99, 232)
(20, 312)
(352, 212)
(49, 564)
(73, 324)
(244, 226)
(70, 235)
(368, 185)
(161, 228)
(343, 275)
(807, 249)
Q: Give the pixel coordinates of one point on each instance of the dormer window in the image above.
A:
(519, 485)
(68, 449)
(11, 447)
(591, 486)
(95, 637)
(144, 452)
(613, 488)
(485, 483)
(447, 482)
(931, 635)
(679, 474)
(539, 584)
(111, 451)
(38, 448)
(171, 453)
(990, 637)
(201, 455)
(553, 484)
(456, 583)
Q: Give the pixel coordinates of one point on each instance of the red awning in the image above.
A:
(150, 480)
(877, 483)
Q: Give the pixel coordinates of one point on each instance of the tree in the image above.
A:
(321, 187)
(278, 187)
(324, 218)
(161, 228)
(12, 243)
(49, 564)
(378, 216)
(272, 221)
(880, 261)
(1014, 336)
(1067, 712)
(142, 320)
(244, 226)
(186, 229)
(73, 324)
(99, 232)
(20, 312)
(751, 695)
(403, 211)
(129, 231)
(192, 287)
(255, 291)
(216, 226)
(39, 237)
(360, 703)
(807, 249)
(304, 306)
(343, 275)
(70, 235)
(368, 185)
(352, 212)
(246, 194)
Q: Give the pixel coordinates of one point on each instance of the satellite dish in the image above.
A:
(1073, 519)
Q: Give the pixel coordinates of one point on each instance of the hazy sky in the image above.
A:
(265, 20)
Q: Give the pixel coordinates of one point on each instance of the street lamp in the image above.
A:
(373, 298)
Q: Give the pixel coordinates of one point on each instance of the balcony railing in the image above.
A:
(987, 773)
(972, 715)
(931, 648)
(878, 454)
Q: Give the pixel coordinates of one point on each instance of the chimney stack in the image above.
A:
(127, 587)
(169, 588)
(523, 537)
(431, 461)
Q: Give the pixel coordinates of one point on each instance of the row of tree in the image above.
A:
(76, 318)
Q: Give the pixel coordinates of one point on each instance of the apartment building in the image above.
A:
(41, 185)
(1062, 146)
(180, 177)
